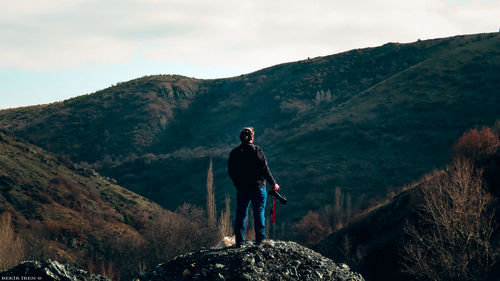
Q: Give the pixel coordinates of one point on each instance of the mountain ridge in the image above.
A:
(362, 120)
(53, 209)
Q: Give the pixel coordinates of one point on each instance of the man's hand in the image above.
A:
(276, 187)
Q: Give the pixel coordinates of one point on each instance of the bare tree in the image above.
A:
(451, 240)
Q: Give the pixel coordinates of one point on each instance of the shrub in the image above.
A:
(52, 227)
(476, 145)
(315, 225)
(310, 229)
(185, 230)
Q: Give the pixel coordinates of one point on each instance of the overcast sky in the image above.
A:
(51, 50)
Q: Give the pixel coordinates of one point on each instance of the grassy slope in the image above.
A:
(67, 211)
(361, 120)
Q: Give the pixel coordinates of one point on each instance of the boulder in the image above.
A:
(49, 271)
(275, 261)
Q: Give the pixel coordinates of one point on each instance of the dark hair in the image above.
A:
(247, 134)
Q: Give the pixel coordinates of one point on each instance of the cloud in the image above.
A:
(59, 34)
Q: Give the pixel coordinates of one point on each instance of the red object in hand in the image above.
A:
(273, 211)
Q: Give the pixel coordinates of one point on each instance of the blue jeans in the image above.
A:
(258, 198)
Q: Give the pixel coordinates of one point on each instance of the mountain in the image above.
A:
(76, 216)
(364, 120)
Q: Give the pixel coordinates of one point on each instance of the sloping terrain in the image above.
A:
(374, 245)
(362, 120)
(75, 216)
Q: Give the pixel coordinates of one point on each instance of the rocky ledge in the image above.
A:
(279, 261)
(49, 271)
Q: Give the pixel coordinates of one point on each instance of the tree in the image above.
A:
(211, 210)
(11, 244)
(451, 239)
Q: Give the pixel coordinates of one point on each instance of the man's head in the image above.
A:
(247, 134)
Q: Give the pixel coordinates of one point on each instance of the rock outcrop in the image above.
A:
(49, 271)
(278, 261)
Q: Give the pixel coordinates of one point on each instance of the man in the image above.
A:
(247, 167)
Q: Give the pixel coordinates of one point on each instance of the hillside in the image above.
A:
(377, 244)
(363, 120)
(79, 217)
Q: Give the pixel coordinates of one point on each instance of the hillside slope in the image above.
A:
(376, 244)
(74, 216)
(362, 120)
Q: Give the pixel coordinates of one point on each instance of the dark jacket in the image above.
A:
(247, 167)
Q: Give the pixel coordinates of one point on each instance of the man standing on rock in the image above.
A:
(247, 167)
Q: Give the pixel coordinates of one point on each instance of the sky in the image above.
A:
(52, 50)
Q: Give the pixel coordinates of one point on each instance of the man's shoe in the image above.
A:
(265, 242)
